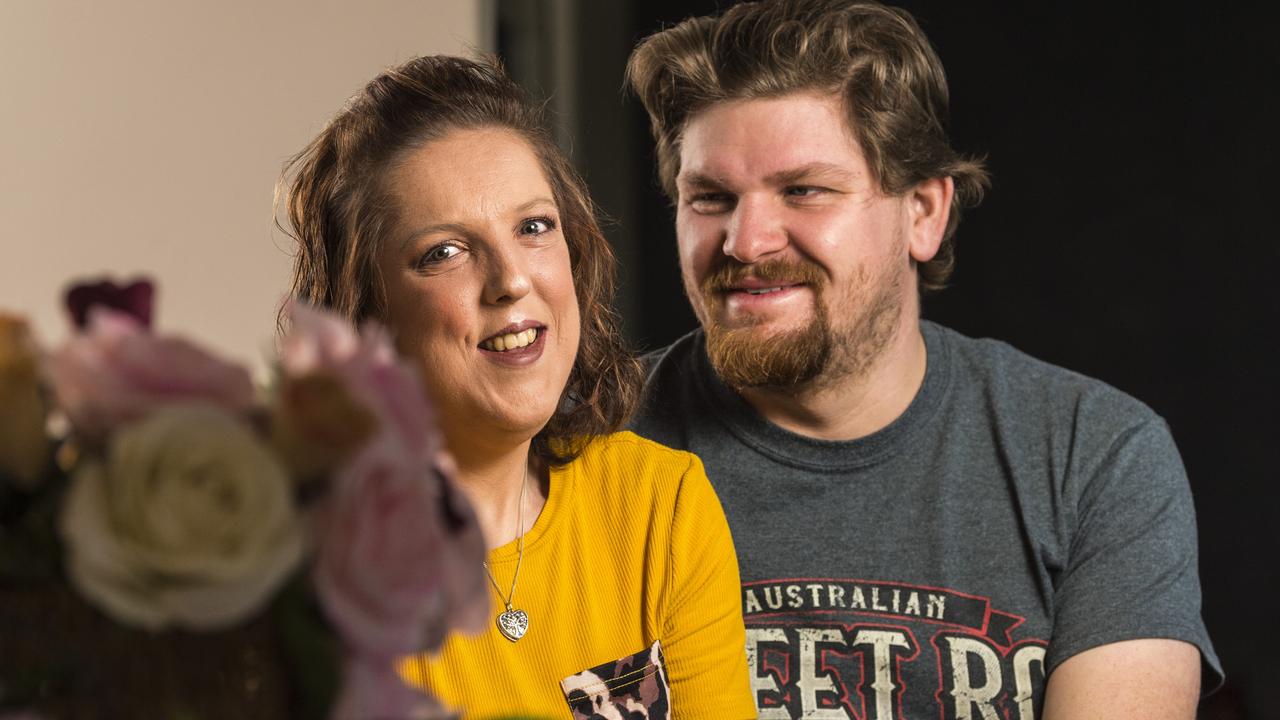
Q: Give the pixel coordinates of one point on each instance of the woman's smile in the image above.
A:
(518, 345)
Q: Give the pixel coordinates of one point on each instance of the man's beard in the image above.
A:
(815, 353)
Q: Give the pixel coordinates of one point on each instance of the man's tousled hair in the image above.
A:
(876, 57)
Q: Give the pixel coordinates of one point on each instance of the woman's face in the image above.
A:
(479, 288)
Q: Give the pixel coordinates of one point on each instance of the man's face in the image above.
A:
(795, 262)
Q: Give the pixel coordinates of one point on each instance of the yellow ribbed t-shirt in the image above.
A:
(631, 547)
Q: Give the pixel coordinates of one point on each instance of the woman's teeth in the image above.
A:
(510, 341)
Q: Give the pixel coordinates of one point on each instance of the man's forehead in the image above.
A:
(798, 133)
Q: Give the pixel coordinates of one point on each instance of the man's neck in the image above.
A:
(856, 405)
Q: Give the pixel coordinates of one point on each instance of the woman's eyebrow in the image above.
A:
(538, 201)
(429, 229)
(459, 229)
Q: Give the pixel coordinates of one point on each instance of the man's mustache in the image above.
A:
(732, 273)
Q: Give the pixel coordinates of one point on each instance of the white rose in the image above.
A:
(188, 521)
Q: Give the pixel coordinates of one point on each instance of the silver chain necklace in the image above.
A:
(513, 623)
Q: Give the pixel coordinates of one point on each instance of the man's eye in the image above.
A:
(711, 202)
(537, 226)
(803, 191)
(438, 254)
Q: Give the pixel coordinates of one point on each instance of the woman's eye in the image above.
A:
(537, 226)
(438, 254)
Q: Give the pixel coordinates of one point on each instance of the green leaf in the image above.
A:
(311, 651)
(30, 547)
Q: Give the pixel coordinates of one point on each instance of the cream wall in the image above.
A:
(145, 136)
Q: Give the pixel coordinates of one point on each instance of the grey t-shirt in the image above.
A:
(1015, 514)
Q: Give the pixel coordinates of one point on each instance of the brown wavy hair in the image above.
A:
(877, 57)
(339, 208)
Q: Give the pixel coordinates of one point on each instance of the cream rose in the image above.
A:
(188, 520)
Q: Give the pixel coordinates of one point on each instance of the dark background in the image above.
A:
(1130, 233)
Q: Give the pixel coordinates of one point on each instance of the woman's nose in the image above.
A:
(755, 230)
(508, 278)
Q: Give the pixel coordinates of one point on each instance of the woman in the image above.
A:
(437, 203)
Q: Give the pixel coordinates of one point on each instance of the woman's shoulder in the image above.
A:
(637, 467)
(628, 448)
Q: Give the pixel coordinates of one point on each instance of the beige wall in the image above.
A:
(145, 136)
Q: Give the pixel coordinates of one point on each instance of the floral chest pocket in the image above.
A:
(629, 688)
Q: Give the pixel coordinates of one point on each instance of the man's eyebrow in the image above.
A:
(458, 229)
(790, 176)
(810, 171)
(698, 180)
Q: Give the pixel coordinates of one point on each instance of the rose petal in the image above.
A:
(371, 690)
(378, 573)
(116, 372)
(367, 364)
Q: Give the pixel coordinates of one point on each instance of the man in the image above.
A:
(927, 525)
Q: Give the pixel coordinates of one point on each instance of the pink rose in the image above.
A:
(467, 586)
(400, 553)
(367, 364)
(371, 690)
(116, 371)
(316, 424)
(394, 556)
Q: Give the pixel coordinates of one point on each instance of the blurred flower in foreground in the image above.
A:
(400, 552)
(368, 367)
(134, 300)
(177, 503)
(379, 571)
(116, 371)
(188, 521)
(23, 445)
(373, 692)
(316, 424)
(399, 477)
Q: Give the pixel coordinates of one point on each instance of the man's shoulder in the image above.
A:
(670, 389)
(1009, 380)
(673, 360)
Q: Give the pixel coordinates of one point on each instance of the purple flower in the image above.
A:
(133, 300)
(116, 372)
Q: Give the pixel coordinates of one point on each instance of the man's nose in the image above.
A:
(507, 278)
(755, 230)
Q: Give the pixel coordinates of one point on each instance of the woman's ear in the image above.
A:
(928, 206)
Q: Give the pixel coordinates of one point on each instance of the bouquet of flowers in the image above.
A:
(174, 543)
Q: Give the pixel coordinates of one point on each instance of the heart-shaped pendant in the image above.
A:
(513, 624)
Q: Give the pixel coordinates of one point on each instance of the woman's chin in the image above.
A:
(494, 431)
